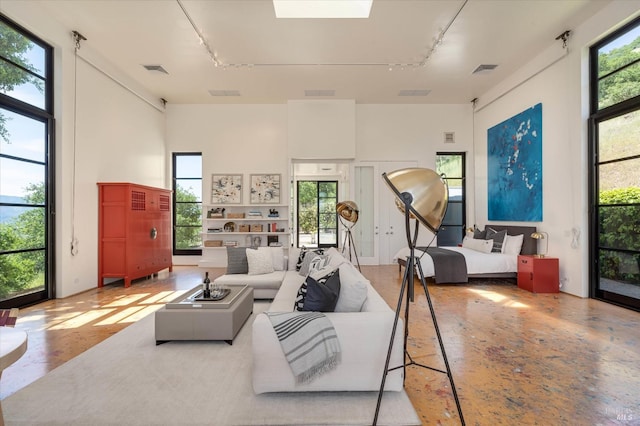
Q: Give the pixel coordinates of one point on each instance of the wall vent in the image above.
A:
(484, 68)
(156, 68)
(224, 92)
(320, 92)
(449, 137)
(414, 92)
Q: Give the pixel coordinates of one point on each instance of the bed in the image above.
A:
(480, 265)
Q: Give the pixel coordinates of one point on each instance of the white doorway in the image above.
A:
(380, 232)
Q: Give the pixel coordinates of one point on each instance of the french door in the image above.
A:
(317, 218)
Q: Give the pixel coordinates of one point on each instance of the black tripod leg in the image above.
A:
(408, 274)
(423, 281)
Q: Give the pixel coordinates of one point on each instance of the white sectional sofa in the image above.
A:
(364, 337)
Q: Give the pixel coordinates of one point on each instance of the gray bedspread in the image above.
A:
(448, 266)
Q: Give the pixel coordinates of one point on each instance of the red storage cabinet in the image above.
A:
(538, 274)
(134, 231)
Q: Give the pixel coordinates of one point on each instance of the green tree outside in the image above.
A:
(188, 224)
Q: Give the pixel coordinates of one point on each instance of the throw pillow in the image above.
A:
(237, 260)
(312, 262)
(478, 234)
(259, 261)
(483, 246)
(513, 244)
(497, 237)
(322, 295)
(302, 291)
(303, 253)
(353, 289)
(302, 294)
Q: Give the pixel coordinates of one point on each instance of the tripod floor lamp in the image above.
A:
(348, 213)
(421, 194)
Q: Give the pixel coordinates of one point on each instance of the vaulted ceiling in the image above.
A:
(247, 55)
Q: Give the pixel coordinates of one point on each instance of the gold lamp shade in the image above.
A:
(348, 210)
(428, 194)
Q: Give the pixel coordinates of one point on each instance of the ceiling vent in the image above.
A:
(484, 68)
(157, 68)
(224, 92)
(320, 92)
(449, 137)
(414, 92)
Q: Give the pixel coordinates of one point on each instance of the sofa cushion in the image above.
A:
(237, 260)
(322, 295)
(277, 256)
(353, 289)
(260, 261)
(265, 281)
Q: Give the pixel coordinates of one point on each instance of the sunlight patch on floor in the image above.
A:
(82, 319)
(498, 298)
(126, 300)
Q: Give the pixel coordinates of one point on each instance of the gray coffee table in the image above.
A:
(188, 319)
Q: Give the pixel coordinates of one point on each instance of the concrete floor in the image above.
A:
(517, 358)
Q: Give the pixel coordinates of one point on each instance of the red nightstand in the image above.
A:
(538, 274)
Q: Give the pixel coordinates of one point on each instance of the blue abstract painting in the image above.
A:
(514, 168)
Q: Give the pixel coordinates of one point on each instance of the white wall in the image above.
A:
(563, 90)
(118, 137)
(254, 138)
(233, 139)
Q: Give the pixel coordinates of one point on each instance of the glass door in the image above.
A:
(317, 218)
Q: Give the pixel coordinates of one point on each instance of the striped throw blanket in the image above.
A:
(309, 342)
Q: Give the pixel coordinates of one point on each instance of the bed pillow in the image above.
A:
(478, 234)
(237, 260)
(483, 246)
(259, 261)
(497, 237)
(513, 244)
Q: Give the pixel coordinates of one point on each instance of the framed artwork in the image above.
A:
(514, 167)
(226, 189)
(265, 189)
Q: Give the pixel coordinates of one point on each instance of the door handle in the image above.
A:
(153, 233)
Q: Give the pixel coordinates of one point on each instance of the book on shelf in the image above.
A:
(230, 243)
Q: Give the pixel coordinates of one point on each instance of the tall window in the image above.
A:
(317, 217)
(452, 164)
(26, 168)
(615, 174)
(187, 203)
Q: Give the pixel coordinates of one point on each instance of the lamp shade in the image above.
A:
(348, 210)
(425, 189)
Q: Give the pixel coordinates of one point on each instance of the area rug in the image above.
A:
(127, 379)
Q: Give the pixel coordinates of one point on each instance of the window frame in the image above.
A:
(597, 116)
(174, 179)
(463, 200)
(46, 116)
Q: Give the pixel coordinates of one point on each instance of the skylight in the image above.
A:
(322, 8)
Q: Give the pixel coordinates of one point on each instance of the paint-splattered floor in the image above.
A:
(517, 358)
